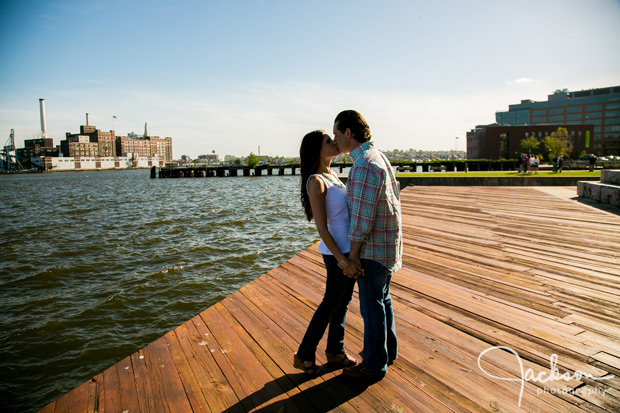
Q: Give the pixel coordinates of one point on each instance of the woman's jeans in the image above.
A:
(332, 311)
(380, 346)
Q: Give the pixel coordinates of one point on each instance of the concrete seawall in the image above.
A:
(406, 181)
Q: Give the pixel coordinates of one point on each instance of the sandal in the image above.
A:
(312, 369)
(342, 360)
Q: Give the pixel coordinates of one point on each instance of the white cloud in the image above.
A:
(520, 81)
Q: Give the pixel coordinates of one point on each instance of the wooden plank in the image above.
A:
(77, 400)
(146, 399)
(187, 373)
(112, 399)
(232, 379)
(168, 392)
(198, 348)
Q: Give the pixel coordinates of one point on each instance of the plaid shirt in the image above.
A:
(373, 196)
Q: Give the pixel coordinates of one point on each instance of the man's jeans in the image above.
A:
(380, 346)
(332, 311)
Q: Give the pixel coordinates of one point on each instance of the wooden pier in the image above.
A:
(195, 171)
(526, 268)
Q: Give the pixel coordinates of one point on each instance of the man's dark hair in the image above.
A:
(355, 122)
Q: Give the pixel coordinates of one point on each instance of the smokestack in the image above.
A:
(87, 119)
(43, 124)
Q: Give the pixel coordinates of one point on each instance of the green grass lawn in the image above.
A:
(579, 173)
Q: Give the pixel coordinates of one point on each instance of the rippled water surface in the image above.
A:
(96, 265)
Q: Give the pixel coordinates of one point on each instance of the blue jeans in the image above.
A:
(380, 345)
(332, 311)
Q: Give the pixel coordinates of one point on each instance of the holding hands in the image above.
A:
(351, 267)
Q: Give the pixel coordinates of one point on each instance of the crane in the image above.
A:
(8, 154)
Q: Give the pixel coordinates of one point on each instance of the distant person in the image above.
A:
(533, 164)
(324, 199)
(376, 241)
(592, 162)
(560, 162)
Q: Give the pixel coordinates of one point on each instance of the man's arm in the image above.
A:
(365, 189)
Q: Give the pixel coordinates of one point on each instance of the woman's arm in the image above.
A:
(317, 192)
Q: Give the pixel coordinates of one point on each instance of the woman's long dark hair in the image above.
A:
(309, 154)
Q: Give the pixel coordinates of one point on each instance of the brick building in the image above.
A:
(149, 146)
(34, 148)
(105, 142)
(503, 142)
(92, 142)
(79, 146)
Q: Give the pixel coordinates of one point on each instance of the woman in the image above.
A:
(324, 199)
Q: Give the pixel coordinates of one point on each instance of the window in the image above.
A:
(540, 119)
(539, 112)
(556, 111)
(594, 107)
(612, 106)
(612, 113)
(572, 109)
(556, 118)
(593, 115)
(503, 145)
(573, 116)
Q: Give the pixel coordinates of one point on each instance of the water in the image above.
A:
(96, 265)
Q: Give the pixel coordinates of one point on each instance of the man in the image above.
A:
(592, 162)
(376, 241)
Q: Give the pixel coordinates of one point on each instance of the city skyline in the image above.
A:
(232, 77)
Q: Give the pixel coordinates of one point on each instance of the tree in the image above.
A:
(252, 160)
(558, 144)
(530, 145)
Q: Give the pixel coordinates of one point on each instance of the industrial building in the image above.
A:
(92, 148)
(92, 142)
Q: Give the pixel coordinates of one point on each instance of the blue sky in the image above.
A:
(230, 76)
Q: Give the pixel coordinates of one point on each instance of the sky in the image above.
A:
(234, 77)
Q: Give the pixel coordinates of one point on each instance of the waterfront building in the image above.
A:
(92, 142)
(34, 148)
(84, 163)
(147, 146)
(133, 146)
(503, 142)
(209, 159)
(92, 148)
(79, 145)
(599, 108)
(89, 142)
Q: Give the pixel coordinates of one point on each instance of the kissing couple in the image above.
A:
(361, 242)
